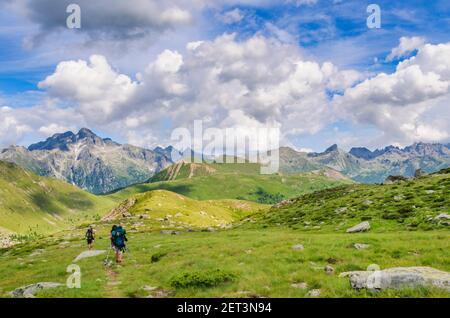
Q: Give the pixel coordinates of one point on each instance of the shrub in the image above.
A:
(157, 256)
(208, 278)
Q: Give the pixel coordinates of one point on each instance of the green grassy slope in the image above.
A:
(234, 181)
(33, 204)
(412, 204)
(159, 209)
(262, 262)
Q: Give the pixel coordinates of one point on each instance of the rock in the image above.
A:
(361, 246)
(149, 288)
(300, 285)
(361, 227)
(36, 252)
(30, 290)
(442, 216)
(329, 270)
(170, 232)
(313, 293)
(340, 210)
(87, 254)
(367, 202)
(298, 247)
(429, 191)
(399, 277)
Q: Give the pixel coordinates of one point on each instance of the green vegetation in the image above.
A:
(406, 205)
(167, 209)
(233, 181)
(31, 205)
(199, 279)
(262, 262)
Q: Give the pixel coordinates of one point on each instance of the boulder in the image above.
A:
(361, 227)
(314, 293)
(298, 247)
(361, 246)
(87, 254)
(442, 216)
(170, 232)
(30, 290)
(399, 277)
(329, 270)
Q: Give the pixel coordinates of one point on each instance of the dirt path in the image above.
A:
(113, 283)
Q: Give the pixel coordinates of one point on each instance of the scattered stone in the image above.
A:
(398, 197)
(87, 254)
(367, 202)
(298, 247)
(329, 270)
(361, 227)
(361, 246)
(149, 288)
(340, 210)
(30, 290)
(313, 293)
(442, 216)
(429, 191)
(300, 285)
(399, 277)
(37, 252)
(170, 232)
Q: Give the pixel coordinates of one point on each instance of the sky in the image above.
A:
(138, 69)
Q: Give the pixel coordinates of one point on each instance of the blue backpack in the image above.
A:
(118, 236)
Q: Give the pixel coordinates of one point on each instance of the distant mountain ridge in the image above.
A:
(101, 165)
(364, 165)
(88, 161)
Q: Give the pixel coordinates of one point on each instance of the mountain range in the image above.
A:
(98, 165)
(101, 165)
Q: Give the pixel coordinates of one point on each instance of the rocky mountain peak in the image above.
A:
(332, 148)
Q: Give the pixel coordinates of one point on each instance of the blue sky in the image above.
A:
(32, 45)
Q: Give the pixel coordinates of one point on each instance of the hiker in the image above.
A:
(90, 236)
(118, 239)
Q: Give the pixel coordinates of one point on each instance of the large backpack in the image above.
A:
(90, 234)
(118, 236)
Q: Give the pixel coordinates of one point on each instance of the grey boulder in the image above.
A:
(399, 277)
(30, 290)
(361, 227)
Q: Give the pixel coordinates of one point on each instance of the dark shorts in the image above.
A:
(119, 249)
(90, 241)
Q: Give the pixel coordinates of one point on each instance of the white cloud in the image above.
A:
(232, 16)
(406, 46)
(225, 82)
(407, 105)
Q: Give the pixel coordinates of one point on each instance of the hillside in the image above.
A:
(234, 181)
(33, 204)
(405, 205)
(164, 209)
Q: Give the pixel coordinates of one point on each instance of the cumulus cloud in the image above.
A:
(224, 82)
(109, 19)
(406, 46)
(406, 106)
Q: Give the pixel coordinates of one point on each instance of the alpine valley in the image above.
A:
(101, 165)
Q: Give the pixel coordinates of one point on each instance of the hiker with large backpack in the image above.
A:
(90, 236)
(118, 239)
